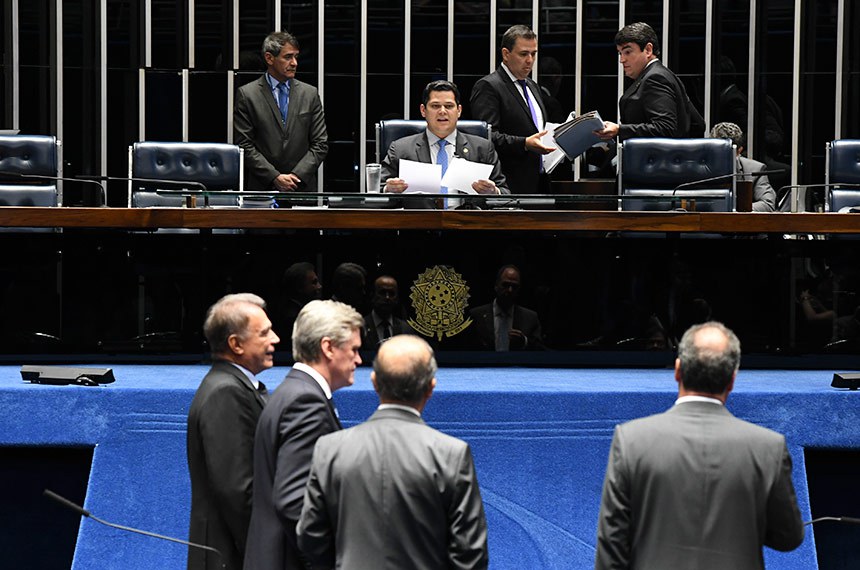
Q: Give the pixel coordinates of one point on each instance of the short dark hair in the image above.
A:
(406, 378)
(640, 34)
(295, 275)
(704, 369)
(275, 42)
(441, 85)
(512, 34)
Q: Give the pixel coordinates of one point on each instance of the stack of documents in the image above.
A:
(576, 136)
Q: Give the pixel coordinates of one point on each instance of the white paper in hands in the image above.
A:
(421, 177)
(461, 173)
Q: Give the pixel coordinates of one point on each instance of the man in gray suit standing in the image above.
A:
(279, 122)
(393, 492)
(326, 339)
(695, 487)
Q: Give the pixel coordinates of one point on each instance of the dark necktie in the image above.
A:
(261, 389)
(334, 412)
(386, 330)
(283, 100)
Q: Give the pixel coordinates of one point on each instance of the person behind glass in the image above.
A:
(441, 142)
(349, 285)
(221, 424)
(696, 487)
(764, 197)
(382, 322)
(326, 341)
(301, 285)
(504, 325)
(393, 492)
(655, 104)
(279, 122)
(512, 103)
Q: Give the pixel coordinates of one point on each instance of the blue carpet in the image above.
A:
(540, 438)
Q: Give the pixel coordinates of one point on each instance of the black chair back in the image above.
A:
(34, 155)
(843, 167)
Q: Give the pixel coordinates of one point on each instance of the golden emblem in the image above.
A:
(439, 298)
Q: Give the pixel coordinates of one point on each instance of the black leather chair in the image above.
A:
(843, 170)
(22, 156)
(653, 168)
(389, 131)
(213, 166)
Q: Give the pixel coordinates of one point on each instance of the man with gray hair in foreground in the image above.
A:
(326, 339)
(393, 492)
(221, 424)
(695, 487)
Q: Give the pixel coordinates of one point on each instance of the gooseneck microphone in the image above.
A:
(758, 174)
(85, 513)
(61, 179)
(848, 520)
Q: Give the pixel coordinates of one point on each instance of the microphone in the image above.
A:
(85, 513)
(785, 196)
(60, 178)
(758, 174)
(848, 520)
(191, 183)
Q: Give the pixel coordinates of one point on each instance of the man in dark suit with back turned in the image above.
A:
(441, 108)
(221, 424)
(326, 339)
(695, 487)
(393, 492)
(655, 104)
(511, 102)
(279, 122)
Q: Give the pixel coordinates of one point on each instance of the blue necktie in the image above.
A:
(442, 160)
(283, 100)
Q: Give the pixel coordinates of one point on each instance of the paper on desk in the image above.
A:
(421, 177)
(461, 173)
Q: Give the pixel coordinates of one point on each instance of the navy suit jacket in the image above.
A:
(656, 105)
(272, 148)
(221, 424)
(297, 414)
(497, 100)
(417, 148)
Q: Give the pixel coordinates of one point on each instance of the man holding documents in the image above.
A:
(656, 103)
(442, 145)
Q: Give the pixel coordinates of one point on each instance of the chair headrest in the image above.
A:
(215, 165)
(844, 161)
(661, 162)
(28, 154)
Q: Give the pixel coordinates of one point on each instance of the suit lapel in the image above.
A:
(305, 377)
(634, 87)
(422, 149)
(294, 105)
(515, 92)
(240, 376)
(463, 149)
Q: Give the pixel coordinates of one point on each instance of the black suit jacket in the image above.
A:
(272, 148)
(656, 105)
(417, 148)
(484, 330)
(497, 100)
(393, 493)
(221, 424)
(297, 414)
(371, 335)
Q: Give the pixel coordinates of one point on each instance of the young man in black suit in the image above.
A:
(655, 104)
(511, 102)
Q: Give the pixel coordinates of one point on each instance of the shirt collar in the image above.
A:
(511, 75)
(685, 399)
(273, 83)
(302, 367)
(498, 310)
(452, 138)
(409, 409)
(249, 374)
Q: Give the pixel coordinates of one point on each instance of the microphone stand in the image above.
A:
(85, 513)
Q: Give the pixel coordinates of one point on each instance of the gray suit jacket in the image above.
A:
(297, 414)
(764, 198)
(393, 493)
(221, 424)
(696, 488)
(272, 148)
(417, 148)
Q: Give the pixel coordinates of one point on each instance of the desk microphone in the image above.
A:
(85, 513)
(847, 520)
(758, 174)
(60, 178)
(192, 183)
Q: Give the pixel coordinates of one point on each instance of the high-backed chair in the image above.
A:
(842, 168)
(30, 155)
(653, 168)
(389, 131)
(209, 166)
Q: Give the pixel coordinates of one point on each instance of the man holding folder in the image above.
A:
(441, 144)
